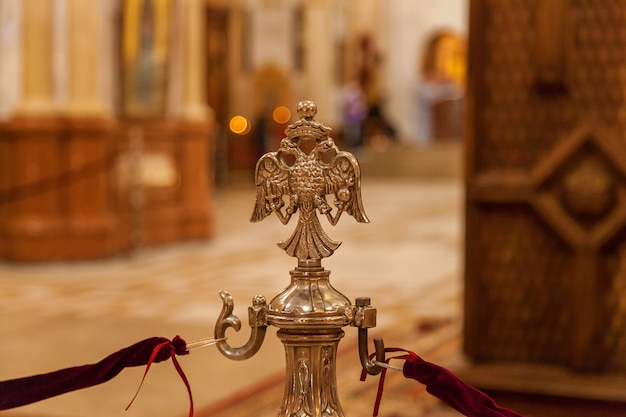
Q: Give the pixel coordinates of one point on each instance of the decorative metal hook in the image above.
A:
(365, 318)
(226, 319)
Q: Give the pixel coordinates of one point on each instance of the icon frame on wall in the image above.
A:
(145, 48)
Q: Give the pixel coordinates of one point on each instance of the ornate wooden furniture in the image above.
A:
(82, 188)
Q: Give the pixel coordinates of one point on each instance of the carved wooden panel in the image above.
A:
(546, 183)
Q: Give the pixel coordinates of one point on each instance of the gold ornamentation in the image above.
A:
(304, 180)
(309, 313)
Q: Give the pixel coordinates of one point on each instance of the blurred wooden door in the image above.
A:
(546, 184)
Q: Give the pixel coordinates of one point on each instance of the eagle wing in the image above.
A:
(343, 179)
(272, 183)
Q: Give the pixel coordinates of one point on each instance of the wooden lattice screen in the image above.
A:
(546, 183)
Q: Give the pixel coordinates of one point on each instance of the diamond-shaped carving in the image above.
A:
(577, 187)
(588, 189)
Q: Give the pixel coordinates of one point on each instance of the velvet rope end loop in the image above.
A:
(176, 346)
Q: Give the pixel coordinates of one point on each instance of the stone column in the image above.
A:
(37, 74)
(84, 64)
(175, 66)
(9, 56)
(88, 133)
(197, 120)
(10, 87)
(194, 105)
(320, 65)
(31, 136)
(60, 138)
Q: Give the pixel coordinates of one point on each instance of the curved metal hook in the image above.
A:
(365, 318)
(226, 319)
(369, 365)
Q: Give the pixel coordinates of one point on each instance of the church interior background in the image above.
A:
(152, 86)
(130, 129)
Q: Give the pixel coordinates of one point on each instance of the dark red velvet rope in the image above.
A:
(439, 381)
(18, 392)
(444, 385)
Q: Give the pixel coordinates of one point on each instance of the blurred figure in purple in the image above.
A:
(354, 113)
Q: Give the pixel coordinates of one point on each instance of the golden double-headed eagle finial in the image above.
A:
(291, 180)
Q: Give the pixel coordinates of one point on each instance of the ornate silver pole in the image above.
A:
(310, 314)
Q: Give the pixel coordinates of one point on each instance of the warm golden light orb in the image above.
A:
(239, 125)
(281, 114)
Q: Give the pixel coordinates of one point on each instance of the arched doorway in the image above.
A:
(440, 93)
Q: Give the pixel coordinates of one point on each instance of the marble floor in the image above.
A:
(57, 315)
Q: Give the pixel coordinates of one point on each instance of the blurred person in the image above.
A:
(261, 132)
(354, 113)
(378, 131)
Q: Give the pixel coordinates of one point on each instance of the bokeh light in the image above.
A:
(281, 114)
(239, 125)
